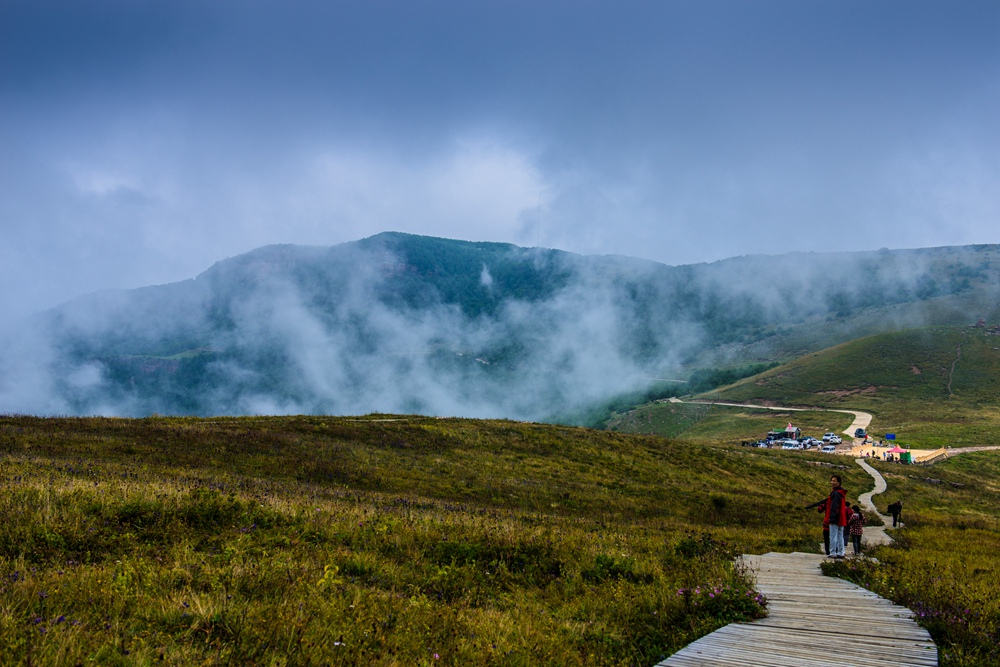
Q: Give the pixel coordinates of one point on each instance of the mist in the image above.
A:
(404, 324)
(142, 141)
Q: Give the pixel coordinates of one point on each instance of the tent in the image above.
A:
(896, 450)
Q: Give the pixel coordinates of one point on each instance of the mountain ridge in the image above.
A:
(406, 323)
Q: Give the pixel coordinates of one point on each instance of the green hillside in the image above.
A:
(944, 564)
(377, 540)
(933, 387)
(710, 424)
(416, 541)
(404, 323)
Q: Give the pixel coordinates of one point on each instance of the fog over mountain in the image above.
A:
(142, 141)
(411, 324)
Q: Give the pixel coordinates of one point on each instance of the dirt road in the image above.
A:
(861, 419)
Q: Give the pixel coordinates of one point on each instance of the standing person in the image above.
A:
(895, 509)
(836, 516)
(856, 526)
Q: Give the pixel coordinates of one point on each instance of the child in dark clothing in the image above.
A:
(856, 526)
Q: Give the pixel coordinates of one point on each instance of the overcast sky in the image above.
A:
(142, 141)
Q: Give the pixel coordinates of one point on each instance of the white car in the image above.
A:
(790, 444)
(827, 436)
(829, 449)
(835, 440)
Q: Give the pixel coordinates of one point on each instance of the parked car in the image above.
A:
(810, 442)
(764, 444)
(835, 440)
(859, 433)
(790, 444)
(828, 449)
(828, 435)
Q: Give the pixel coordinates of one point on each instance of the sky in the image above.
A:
(142, 141)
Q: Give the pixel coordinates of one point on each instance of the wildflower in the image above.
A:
(60, 619)
(437, 657)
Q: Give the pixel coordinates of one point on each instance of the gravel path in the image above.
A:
(874, 535)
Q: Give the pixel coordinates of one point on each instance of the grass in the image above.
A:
(933, 387)
(379, 540)
(409, 540)
(694, 422)
(943, 564)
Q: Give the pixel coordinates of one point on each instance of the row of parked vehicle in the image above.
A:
(828, 444)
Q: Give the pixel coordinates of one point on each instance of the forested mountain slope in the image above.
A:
(415, 324)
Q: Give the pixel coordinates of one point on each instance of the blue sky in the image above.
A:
(141, 141)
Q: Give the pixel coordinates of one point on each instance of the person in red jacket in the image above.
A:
(836, 516)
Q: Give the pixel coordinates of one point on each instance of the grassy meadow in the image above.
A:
(708, 424)
(379, 540)
(943, 564)
(417, 541)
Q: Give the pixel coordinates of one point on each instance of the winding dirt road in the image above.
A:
(861, 419)
(874, 534)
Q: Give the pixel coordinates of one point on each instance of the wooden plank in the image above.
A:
(813, 621)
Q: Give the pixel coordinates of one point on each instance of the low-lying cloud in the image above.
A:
(415, 325)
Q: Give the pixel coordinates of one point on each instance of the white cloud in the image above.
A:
(476, 189)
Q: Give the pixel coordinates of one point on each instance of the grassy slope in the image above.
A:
(797, 339)
(377, 540)
(914, 382)
(905, 379)
(717, 423)
(943, 564)
(422, 541)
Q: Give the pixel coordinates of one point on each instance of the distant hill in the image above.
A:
(931, 387)
(403, 323)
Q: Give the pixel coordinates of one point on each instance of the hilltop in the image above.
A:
(403, 323)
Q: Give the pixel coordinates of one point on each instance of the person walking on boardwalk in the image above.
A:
(836, 515)
(856, 527)
(895, 509)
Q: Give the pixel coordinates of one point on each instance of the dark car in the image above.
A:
(859, 433)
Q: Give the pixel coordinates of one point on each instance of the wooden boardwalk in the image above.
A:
(813, 621)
